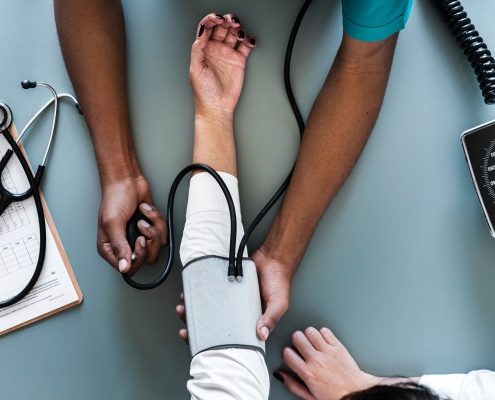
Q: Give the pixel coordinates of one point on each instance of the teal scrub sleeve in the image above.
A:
(373, 20)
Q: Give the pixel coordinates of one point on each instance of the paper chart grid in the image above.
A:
(19, 254)
(14, 216)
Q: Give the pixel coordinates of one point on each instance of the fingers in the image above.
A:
(297, 388)
(203, 34)
(113, 245)
(141, 255)
(329, 337)
(183, 335)
(206, 25)
(181, 312)
(293, 360)
(247, 45)
(220, 31)
(234, 36)
(275, 308)
(303, 345)
(155, 236)
(316, 339)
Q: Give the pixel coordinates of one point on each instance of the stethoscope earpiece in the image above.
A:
(28, 84)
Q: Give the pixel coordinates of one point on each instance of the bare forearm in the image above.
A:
(92, 38)
(214, 141)
(338, 127)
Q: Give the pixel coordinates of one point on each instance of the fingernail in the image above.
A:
(142, 241)
(265, 332)
(252, 41)
(241, 34)
(146, 206)
(122, 265)
(235, 20)
(278, 376)
(143, 223)
(219, 16)
(201, 30)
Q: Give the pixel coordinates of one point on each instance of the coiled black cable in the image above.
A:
(472, 43)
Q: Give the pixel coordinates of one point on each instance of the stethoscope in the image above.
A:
(7, 197)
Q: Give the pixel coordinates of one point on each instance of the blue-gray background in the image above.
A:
(401, 267)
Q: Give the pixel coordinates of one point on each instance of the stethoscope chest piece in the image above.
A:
(5, 116)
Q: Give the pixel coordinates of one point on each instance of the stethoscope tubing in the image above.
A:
(170, 225)
(41, 221)
(34, 181)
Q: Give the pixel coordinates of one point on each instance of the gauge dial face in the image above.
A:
(479, 149)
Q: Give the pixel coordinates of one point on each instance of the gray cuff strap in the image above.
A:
(221, 314)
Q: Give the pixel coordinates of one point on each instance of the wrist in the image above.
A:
(213, 115)
(281, 245)
(117, 169)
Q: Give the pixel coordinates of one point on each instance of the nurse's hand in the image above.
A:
(119, 202)
(218, 60)
(275, 280)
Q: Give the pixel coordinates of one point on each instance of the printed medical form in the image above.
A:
(19, 249)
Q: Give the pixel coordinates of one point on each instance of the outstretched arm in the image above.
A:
(338, 127)
(92, 37)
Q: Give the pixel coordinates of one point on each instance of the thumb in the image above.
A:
(118, 242)
(275, 307)
(294, 386)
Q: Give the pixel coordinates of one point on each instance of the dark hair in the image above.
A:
(399, 391)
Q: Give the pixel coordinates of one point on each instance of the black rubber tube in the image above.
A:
(300, 123)
(170, 223)
(41, 221)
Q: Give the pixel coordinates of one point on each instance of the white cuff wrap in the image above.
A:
(221, 314)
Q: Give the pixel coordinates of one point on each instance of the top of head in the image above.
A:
(28, 84)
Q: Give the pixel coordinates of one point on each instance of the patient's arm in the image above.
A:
(217, 74)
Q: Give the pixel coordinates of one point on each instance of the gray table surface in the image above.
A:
(401, 267)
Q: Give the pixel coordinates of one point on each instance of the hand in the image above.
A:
(325, 366)
(274, 279)
(217, 68)
(120, 201)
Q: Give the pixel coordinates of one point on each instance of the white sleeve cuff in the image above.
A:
(205, 194)
(444, 385)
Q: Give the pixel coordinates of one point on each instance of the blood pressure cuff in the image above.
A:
(221, 314)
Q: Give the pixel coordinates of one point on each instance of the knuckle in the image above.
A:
(307, 376)
(116, 247)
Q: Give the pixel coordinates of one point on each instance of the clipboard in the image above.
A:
(61, 250)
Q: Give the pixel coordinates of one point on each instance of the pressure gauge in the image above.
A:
(479, 148)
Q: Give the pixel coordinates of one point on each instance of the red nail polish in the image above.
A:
(241, 34)
(201, 30)
(253, 42)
